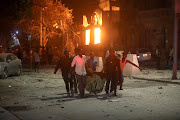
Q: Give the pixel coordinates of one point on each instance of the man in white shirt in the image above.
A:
(80, 70)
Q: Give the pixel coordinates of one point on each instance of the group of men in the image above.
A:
(74, 71)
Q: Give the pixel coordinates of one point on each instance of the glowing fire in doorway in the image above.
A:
(97, 35)
(87, 37)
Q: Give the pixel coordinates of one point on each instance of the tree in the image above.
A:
(54, 17)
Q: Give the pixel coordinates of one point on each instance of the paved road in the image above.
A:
(35, 96)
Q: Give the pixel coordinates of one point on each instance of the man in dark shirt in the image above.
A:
(112, 69)
(65, 65)
(19, 54)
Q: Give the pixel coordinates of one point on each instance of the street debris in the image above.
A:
(2, 111)
(160, 87)
(112, 100)
(16, 102)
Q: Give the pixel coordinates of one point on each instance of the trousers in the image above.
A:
(68, 81)
(111, 78)
(81, 83)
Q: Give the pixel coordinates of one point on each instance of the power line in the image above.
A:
(99, 2)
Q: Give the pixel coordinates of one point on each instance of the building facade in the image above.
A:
(132, 24)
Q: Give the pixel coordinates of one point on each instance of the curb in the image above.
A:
(6, 115)
(157, 80)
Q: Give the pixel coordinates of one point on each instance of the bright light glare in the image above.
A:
(97, 35)
(87, 37)
(17, 32)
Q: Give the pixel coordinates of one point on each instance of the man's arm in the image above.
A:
(57, 66)
(72, 64)
(96, 63)
(105, 65)
(127, 61)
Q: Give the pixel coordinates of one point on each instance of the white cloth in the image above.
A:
(80, 64)
(36, 57)
(122, 64)
(107, 54)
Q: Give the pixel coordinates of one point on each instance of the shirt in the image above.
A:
(92, 63)
(64, 64)
(111, 64)
(80, 64)
(171, 53)
(157, 53)
(36, 57)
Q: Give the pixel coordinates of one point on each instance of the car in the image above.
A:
(143, 54)
(9, 65)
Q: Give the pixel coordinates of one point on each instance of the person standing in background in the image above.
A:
(158, 57)
(36, 60)
(170, 57)
(20, 54)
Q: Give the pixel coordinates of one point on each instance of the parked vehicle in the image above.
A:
(9, 65)
(142, 53)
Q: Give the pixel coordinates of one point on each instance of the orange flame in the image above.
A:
(87, 37)
(97, 35)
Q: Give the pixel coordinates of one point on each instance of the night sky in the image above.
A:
(81, 7)
(9, 10)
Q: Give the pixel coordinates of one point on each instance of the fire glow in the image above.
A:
(87, 37)
(97, 35)
(93, 34)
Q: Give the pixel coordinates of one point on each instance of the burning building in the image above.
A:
(129, 25)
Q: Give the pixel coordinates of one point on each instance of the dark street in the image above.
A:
(35, 96)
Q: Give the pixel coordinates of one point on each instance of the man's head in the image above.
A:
(157, 46)
(124, 55)
(76, 51)
(66, 52)
(92, 55)
(111, 51)
(80, 52)
(37, 50)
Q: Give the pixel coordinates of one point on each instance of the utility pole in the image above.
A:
(110, 21)
(174, 74)
(41, 41)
